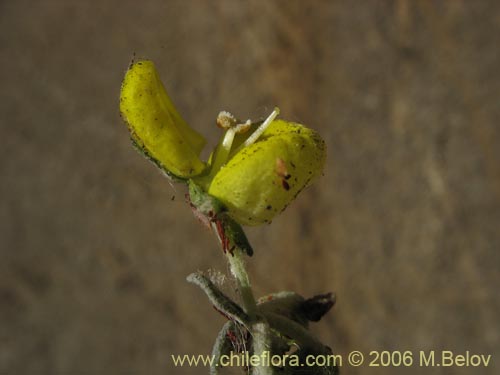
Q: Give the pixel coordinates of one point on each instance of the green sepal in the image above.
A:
(219, 300)
(304, 340)
(236, 235)
(204, 203)
(141, 150)
(287, 304)
(214, 210)
(293, 306)
(222, 346)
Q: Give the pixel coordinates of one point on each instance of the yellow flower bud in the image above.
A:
(156, 126)
(261, 179)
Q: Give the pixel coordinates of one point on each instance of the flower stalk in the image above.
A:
(237, 266)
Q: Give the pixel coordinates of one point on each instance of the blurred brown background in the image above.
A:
(404, 225)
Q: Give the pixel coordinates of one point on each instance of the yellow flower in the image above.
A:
(255, 171)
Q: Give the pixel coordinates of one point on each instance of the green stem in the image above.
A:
(260, 329)
(239, 272)
(261, 344)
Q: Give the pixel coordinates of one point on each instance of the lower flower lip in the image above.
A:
(254, 188)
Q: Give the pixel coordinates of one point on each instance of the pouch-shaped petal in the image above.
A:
(156, 126)
(263, 178)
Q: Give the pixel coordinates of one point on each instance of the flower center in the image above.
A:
(227, 121)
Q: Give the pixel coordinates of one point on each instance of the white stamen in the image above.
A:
(257, 133)
(227, 142)
(225, 120)
(222, 154)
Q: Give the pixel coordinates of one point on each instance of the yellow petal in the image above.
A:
(155, 124)
(262, 179)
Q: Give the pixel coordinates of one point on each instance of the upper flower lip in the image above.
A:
(156, 126)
